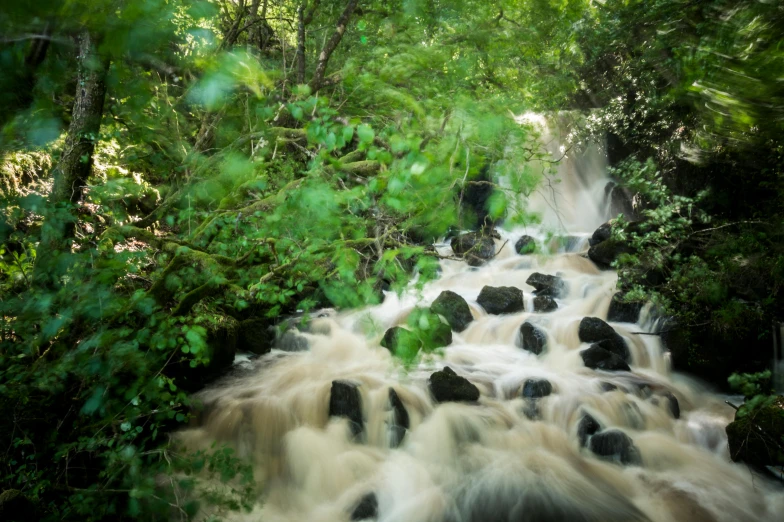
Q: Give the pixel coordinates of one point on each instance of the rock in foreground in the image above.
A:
(616, 446)
(346, 401)
(525, 245)
(454, 309)
(594, 330)
(597, 358)
(756, 438)
(533, 339)
(447, 386)
(501, 300)
(546, 284)
(476, 247)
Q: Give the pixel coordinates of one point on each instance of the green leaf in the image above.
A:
(365, 133)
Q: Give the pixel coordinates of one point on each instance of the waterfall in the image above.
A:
(578, 444)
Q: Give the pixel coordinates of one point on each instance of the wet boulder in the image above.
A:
(447, 386)
(608, 386)
(545, 284)
(536, 388)
(400, 422)
(367, 508)
(255, 336)
(293, 341)
(525, 245)
(475, 247)
(501, 300)
(673, 405)
(454, 309)
(597, 358)
(594, 330)
(756, 438)
(616, 446)
(603, 254)
(533, 339)
(620, 200)
(603, 233)
(346, 401)
(586, 427)
(544, 304)
(622, 311)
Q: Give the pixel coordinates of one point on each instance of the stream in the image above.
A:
(548, 439)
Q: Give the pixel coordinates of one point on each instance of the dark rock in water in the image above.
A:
(608, 387)
(454, 309)
(531, 410)
(401, 421)
(597, 358)
(501, 299)
(525, 245)
(292, 341)
(603, 254)
(615, 346)
(587, 427)
(615, 445)
(545, 284)
(620, 200)
(544, 303)
(447, 386)
(756, 437)
(594, 330)
(622, 311)
(674, 405)
(255, 336)
(533, 339)
(346, 401)
(476, 247)
(537, 388)
(603, 233)
(367, 508)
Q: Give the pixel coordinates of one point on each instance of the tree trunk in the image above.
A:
(76, 161)
(321, 66)
(301, 45)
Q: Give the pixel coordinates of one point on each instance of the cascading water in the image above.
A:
(586, 445)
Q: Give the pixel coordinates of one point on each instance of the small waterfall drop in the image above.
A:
(403, 457)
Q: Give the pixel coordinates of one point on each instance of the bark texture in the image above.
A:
(76, 162)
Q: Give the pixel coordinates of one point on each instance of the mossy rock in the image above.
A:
(454, 309)
(757, 438)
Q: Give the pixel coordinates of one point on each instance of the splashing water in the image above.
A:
(402, 457)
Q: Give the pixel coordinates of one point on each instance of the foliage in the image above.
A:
(755, 388)
(685, 93)
(240, 173)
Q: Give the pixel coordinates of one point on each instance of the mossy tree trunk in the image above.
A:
(76, 162)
